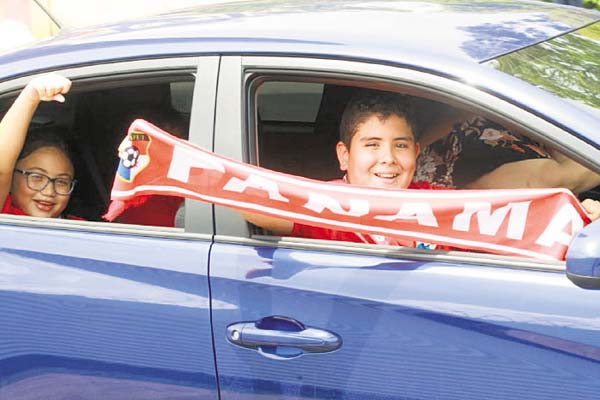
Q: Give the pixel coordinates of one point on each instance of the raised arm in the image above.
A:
(14, 125)
(539, 173)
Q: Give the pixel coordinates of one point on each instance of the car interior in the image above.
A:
(298, 128)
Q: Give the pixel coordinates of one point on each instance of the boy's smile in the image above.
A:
(382, 153)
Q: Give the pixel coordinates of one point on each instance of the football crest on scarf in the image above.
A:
(133, 155)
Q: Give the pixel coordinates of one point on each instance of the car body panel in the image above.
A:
(410, 329)
(128, 320)
(98, 310)
(510, 338)
(461, 27)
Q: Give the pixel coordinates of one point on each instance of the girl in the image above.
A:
(37, 175)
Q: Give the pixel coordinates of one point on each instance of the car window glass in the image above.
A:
(568, 66)
(296, 119)
(289, 101)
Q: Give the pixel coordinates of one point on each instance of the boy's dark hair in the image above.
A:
(43, 137)
(368, 102)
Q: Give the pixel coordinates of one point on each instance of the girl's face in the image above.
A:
(49, 161)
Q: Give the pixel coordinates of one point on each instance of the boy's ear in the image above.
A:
(417, 148)
(342, 155)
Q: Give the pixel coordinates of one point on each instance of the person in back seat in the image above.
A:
(36, 172)
(477, 153)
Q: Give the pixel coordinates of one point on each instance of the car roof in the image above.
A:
(472, 30)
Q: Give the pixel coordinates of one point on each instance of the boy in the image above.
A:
(378, 148)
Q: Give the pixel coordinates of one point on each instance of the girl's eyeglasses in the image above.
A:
(38, 182)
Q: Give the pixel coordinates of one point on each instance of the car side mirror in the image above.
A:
(583, 257)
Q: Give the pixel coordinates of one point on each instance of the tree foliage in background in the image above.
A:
(592, 4)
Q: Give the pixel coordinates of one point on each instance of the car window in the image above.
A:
(94, 120)
(473, 146)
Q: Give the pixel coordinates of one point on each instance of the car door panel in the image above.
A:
(112, 311)
(103, 315)
(412, 324)
(409, 329)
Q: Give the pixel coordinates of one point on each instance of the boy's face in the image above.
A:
(382, 154)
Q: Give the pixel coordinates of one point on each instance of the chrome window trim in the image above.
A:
(404, 253)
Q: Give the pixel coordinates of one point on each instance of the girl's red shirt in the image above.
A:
(8, 208)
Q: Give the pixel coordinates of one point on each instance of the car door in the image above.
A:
(105, 310)
(320, 319)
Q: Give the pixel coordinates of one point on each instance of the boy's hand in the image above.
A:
(48, 87)
(592, 207)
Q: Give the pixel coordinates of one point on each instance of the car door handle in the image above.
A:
(283, 337)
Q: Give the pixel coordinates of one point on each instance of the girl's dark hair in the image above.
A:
(44, 137)
(369, 102)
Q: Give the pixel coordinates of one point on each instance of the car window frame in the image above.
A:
(248, 69)
(199, 216)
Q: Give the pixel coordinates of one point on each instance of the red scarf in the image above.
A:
(536, 223)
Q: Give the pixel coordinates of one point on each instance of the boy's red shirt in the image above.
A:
(313, 232)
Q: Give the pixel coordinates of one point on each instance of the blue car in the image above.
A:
(214, 308)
